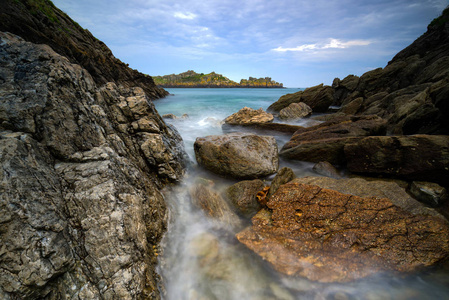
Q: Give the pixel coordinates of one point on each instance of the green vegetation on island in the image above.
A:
(191, 79)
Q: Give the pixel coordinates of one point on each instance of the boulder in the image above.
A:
(415, 157)
(243, 196)
(295, 111)
(283, 176)
(249, 116)
(326, 169)
(318, 98)
(214, 206)
(428, 192)
(328, 236)
(238, 155)
(326, 141)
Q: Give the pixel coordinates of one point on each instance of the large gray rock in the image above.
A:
(82, 167)
(238, 155)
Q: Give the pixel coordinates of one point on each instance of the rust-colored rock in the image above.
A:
(328, 236)
(249, 116)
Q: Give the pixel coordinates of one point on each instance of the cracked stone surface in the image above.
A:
(81, 171)
(329, 236)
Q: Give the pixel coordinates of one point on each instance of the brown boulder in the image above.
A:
(243, 196)
(249, 116)
(238, 155)
(329, 236)
(319, 98)
(214, 206)
(282, 177)
(295, 111)
(415, 157)
(326, 141)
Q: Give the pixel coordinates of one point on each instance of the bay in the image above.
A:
(203, 260)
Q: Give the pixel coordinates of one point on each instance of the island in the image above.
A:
(191, 79)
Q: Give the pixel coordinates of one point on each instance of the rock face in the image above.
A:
(82, 166)
(328, 236)
(247, 116)
(295, 111)
(410, 93)
(417, 157)
(238, 155)
(326, 141)
(318, 98)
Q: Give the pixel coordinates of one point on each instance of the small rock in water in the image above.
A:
(326, 169)
(429, 193)
(170, 116)
(295, 111)
(243, 196)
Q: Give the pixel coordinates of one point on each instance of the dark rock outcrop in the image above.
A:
(295, 111)
(416, 157)
(318, 98)
(40, 22)
(328, 236)
(326, 141)
(82, 166)
(243, 196)
(238, 155)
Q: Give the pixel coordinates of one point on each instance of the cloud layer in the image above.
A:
(283, 39)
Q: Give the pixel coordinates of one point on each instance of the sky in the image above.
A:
(300, 43)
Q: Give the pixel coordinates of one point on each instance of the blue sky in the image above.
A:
(299, 43)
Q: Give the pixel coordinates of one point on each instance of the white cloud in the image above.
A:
(185, 16)
(332, 44)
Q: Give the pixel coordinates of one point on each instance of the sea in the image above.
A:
(201, 258)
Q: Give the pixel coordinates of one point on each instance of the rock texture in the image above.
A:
(238, 155)
(326, 141)
(295, 111)
(416, 157)
(247, 116)
(214, 206)
(243, 196)
(328, 236)
(82, 166)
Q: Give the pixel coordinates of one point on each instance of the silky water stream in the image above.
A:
(202, 259)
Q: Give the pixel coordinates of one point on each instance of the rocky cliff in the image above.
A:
(40, 22)
(84, 155)
(411, 92)
(191, 79)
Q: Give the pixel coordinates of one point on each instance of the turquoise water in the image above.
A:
(203, 260)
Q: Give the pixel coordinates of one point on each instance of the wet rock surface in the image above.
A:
(244, 196)
(238, 155)
(82, 167)
(247, 116)
(328, 236)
